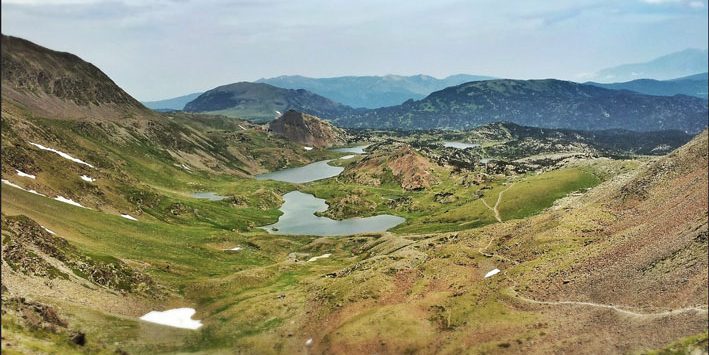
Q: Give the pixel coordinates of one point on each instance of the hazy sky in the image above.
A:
(160, 49)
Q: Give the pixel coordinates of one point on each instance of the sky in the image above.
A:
(166, 48)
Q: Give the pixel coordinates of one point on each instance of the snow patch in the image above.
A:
(185, 167)
(234, 249)
(87, 178)
(492, 273)
(315, 258)
(178, 318)
(347, 157)
(9, 183)
(62, 154)
(36, 193)
(48, 230)
(6, 182)
(20, 173)
(309, 342)
(69, 201)
(308, 148)
(127, 216)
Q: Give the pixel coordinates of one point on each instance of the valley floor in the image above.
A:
(395, 292)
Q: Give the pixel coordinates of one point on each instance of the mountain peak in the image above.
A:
(669, 66)
(258, 101)
(57, 83)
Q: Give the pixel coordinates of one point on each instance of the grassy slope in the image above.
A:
(529, 195)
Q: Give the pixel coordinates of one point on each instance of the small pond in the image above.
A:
(211, 196)
(311, 172)
(459, 145)
(359, 149)
(299, 219)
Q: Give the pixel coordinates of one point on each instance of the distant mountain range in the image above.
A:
(175, 103)
(260, 102)
(355, 91)
(466, 101)
(673, 65)
(372, 91)
(541, 103)
(693, 85)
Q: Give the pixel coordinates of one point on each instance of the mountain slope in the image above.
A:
(600, 272)
(259, 102)
(541, 103)
(60, 84)
(371, 91)
(175, 103)
(694, 85)
(656, 243)
(673, 65)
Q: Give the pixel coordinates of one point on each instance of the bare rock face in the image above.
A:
(307, 130)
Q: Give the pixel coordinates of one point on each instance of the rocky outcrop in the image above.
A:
(30, 249)
(307, 130)
(395, 162)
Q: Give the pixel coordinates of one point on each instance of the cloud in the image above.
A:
(694, 4)
(49, 2)
(163, 48)
(661, 1)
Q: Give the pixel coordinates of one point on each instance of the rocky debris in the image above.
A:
(458, 159)
(178, 208)
(298, 257)
(30, 249)
(236, 201)
(445, 197)
(144, 199)
(35, 315)
(475, 179)
(14, 157)
(402, 202)
(307, 130)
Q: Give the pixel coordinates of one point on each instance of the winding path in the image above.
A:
(615, 308)
(619, 309)
(497, 203)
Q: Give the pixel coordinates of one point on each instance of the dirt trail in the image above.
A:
(497, 204)
(695, 309)
(616, 308)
